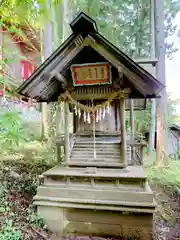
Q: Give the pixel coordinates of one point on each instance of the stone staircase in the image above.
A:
(94, 191)
(107, 152)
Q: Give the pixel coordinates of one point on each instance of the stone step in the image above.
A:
(101, 150)
(60, 203)
(98, 155)
(90, 154)
(97, 158)
(131, 172)
(89, 195)
(94, 163)
(97, 181)
(98, 142)
(97, 146)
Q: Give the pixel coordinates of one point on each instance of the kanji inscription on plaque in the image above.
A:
(91, 74)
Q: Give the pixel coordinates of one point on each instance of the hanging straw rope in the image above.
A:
(92, 109)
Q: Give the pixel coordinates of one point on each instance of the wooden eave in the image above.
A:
(42, 88)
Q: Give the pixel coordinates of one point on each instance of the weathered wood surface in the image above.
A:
(98, 92)
(123, 132)
(81, 151)
(66, 133)
(72, 140)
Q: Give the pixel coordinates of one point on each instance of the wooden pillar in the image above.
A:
(132, 128)
(132, 117)
(66, 131)
(74, 122)
(123, 131)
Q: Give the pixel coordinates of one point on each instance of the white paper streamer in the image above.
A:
(100, 113)
(104, 112)
(75, 109)
(84, 116)
(97, 116)
(88, 118)
(110, 110)
(79, 112)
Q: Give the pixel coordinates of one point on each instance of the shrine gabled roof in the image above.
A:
(43, 88)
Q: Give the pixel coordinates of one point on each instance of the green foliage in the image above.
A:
(143, 117)
(36, 221)
(9, 232)
(23, 11)
(126, 23)
(12, 131)
(19, 179)
(171, 109)
(167, 176)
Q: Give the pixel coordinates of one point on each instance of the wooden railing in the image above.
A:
(59, 147)
(60, 144)
(137, 143)
(71, 142)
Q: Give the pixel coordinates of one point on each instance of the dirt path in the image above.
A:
(167, 216)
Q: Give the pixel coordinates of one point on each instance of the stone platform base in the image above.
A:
(65, 221)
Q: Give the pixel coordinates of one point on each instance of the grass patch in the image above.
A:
(167, 177)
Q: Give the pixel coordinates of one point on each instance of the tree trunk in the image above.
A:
(152, 130)
(46, 108)
(67, 17)
(160, 73)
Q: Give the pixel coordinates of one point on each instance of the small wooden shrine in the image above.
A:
(100, 187)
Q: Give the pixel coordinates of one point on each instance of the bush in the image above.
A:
(9, 232)
(166, 176)
(12, 131)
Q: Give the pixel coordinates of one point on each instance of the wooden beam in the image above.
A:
(123, 131)
(57, 64)
(66, 131)
(151, 61)
(70, 54)
(61, 78)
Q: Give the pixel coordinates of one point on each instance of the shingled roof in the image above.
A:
(84, 33)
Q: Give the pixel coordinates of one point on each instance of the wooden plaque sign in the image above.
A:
(91, 74)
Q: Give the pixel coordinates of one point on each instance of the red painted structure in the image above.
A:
(27, 67)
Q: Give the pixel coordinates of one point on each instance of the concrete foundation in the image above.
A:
(97, 202)
(65, 221)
